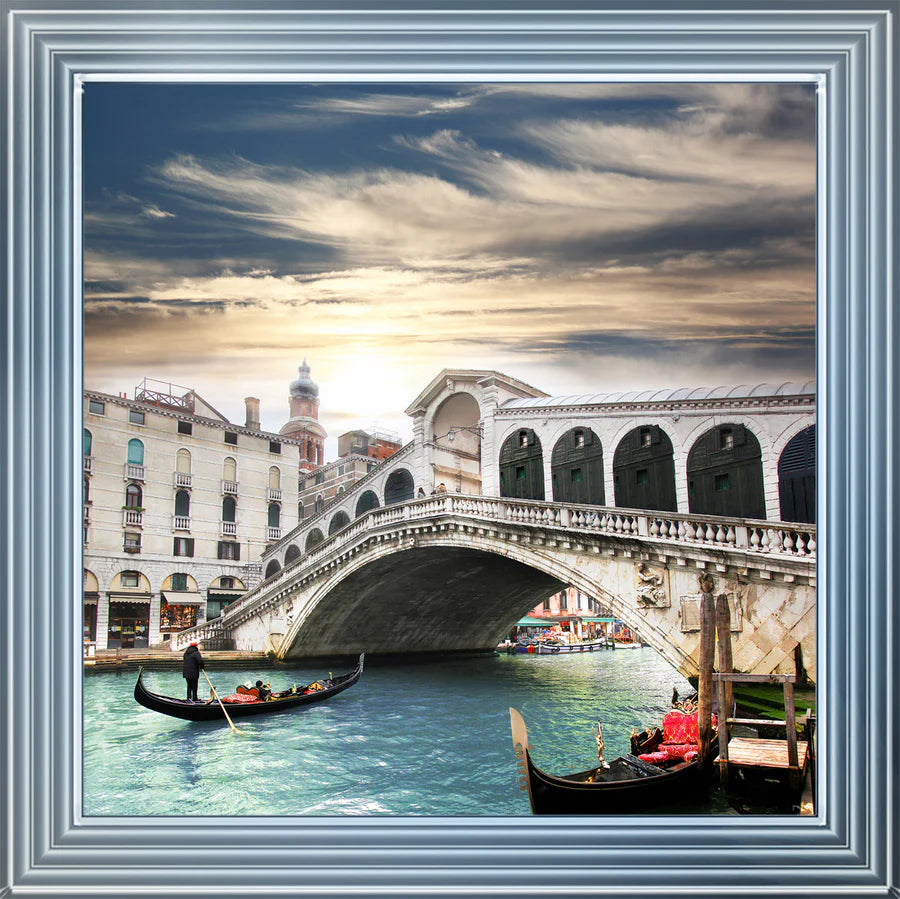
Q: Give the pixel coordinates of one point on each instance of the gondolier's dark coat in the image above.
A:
(192, 664)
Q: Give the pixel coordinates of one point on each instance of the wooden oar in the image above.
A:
(212, 690)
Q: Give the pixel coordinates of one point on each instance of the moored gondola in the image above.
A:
(627, 785)
(247, 705)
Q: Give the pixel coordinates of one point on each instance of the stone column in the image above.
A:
(153, 634)
(102, 621)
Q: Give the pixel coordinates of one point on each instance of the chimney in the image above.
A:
(252, 405)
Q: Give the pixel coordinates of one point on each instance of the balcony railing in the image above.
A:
(88, 462)
(273, 494)
(132, 518)
(181, 522)
(273, 533)
(182, 480)
(134, 472)
(229, 528)
(230, 487)
(132, 546)
(87, 513)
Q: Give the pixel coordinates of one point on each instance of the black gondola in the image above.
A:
(277, 702)
(628, 785)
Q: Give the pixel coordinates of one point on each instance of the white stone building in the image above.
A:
(179, 504)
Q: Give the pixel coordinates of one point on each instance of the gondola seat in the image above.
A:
(681, 734)
(655, 758)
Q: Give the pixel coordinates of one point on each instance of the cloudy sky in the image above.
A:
(582, 238)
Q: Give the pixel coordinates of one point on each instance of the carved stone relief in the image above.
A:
(651, 586)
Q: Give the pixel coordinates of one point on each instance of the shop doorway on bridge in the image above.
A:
(292, 554)
(797, 477)
(577, 468)
(725, 475)
(366, 503)
(314, 538)
(644, 470)
(522, 466)
(272, 568)
(399, 487)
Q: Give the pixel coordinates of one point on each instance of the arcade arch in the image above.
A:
(576, 466)
(522, 466)
(644, 470)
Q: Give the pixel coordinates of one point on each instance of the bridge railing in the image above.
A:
(780, 539)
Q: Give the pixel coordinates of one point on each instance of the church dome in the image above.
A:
(304, 385)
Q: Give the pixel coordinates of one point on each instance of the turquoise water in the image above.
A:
(424, 739)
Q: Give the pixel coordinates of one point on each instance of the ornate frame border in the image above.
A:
(851, 849)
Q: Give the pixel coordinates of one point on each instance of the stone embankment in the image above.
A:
(132, 659)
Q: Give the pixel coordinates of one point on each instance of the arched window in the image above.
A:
(797, 477)
(272, 568)
(341, 519)
(320, 504)
(87, 442)
(135, 452)
(183, 462)
(293, 553)
(275, 478)
(229, 507)
(366, 502)
(229, 469)
(300, 511)
(399, 487)
(577, 468)
(274, 515)
(183, 504)
(522, 466)
(725, 477)
(314, 538)
(133, 496)
(644, 470)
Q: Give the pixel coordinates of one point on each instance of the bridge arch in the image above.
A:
(521, 465)
(797, 477)
(367, 501)
(644, 470)
(339, 520)
(292, 554)
(725, 473)
(488, 590)
(577, 468)
(399, 487)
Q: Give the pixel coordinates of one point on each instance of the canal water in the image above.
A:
(431, 738)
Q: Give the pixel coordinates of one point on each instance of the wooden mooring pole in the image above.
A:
(726, 659)
(705, 681)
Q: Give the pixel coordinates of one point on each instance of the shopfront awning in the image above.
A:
(600, 620)
(182, 599)
(534, 622)
(225, 592)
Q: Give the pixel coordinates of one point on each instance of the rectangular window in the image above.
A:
(320, 477)
(185, 427)
(642, 475)
(722, 483)
(523, 438)
(228, 549)
(576, 475)
(135, 417)
(179, 582)
(132, 543)
(579, 438)
(183, 546)
(231, 437)
(226, 583)
(96, 407)
(646, 437)
(520, 472)
(130, 579)
(726, 439)
(274, 447)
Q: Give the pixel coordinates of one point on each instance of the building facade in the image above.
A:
(179, 504)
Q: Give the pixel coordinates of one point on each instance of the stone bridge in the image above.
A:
(454, 572)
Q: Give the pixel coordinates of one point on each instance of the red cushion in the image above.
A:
(679, 750)
(690, 756)
(655, 758)
(680, 727)
(240, 697)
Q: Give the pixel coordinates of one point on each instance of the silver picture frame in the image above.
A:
(850, 848)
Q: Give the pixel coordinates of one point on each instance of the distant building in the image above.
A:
(374, 444)
(303, 425)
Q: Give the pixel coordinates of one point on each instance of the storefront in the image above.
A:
(129, 624)
(222, 592)
(177, 612)
(90, 619)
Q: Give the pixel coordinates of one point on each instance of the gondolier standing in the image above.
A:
(191, 666)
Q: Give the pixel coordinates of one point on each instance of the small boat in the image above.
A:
(554, 648)
(244, 703)
(626, 785)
